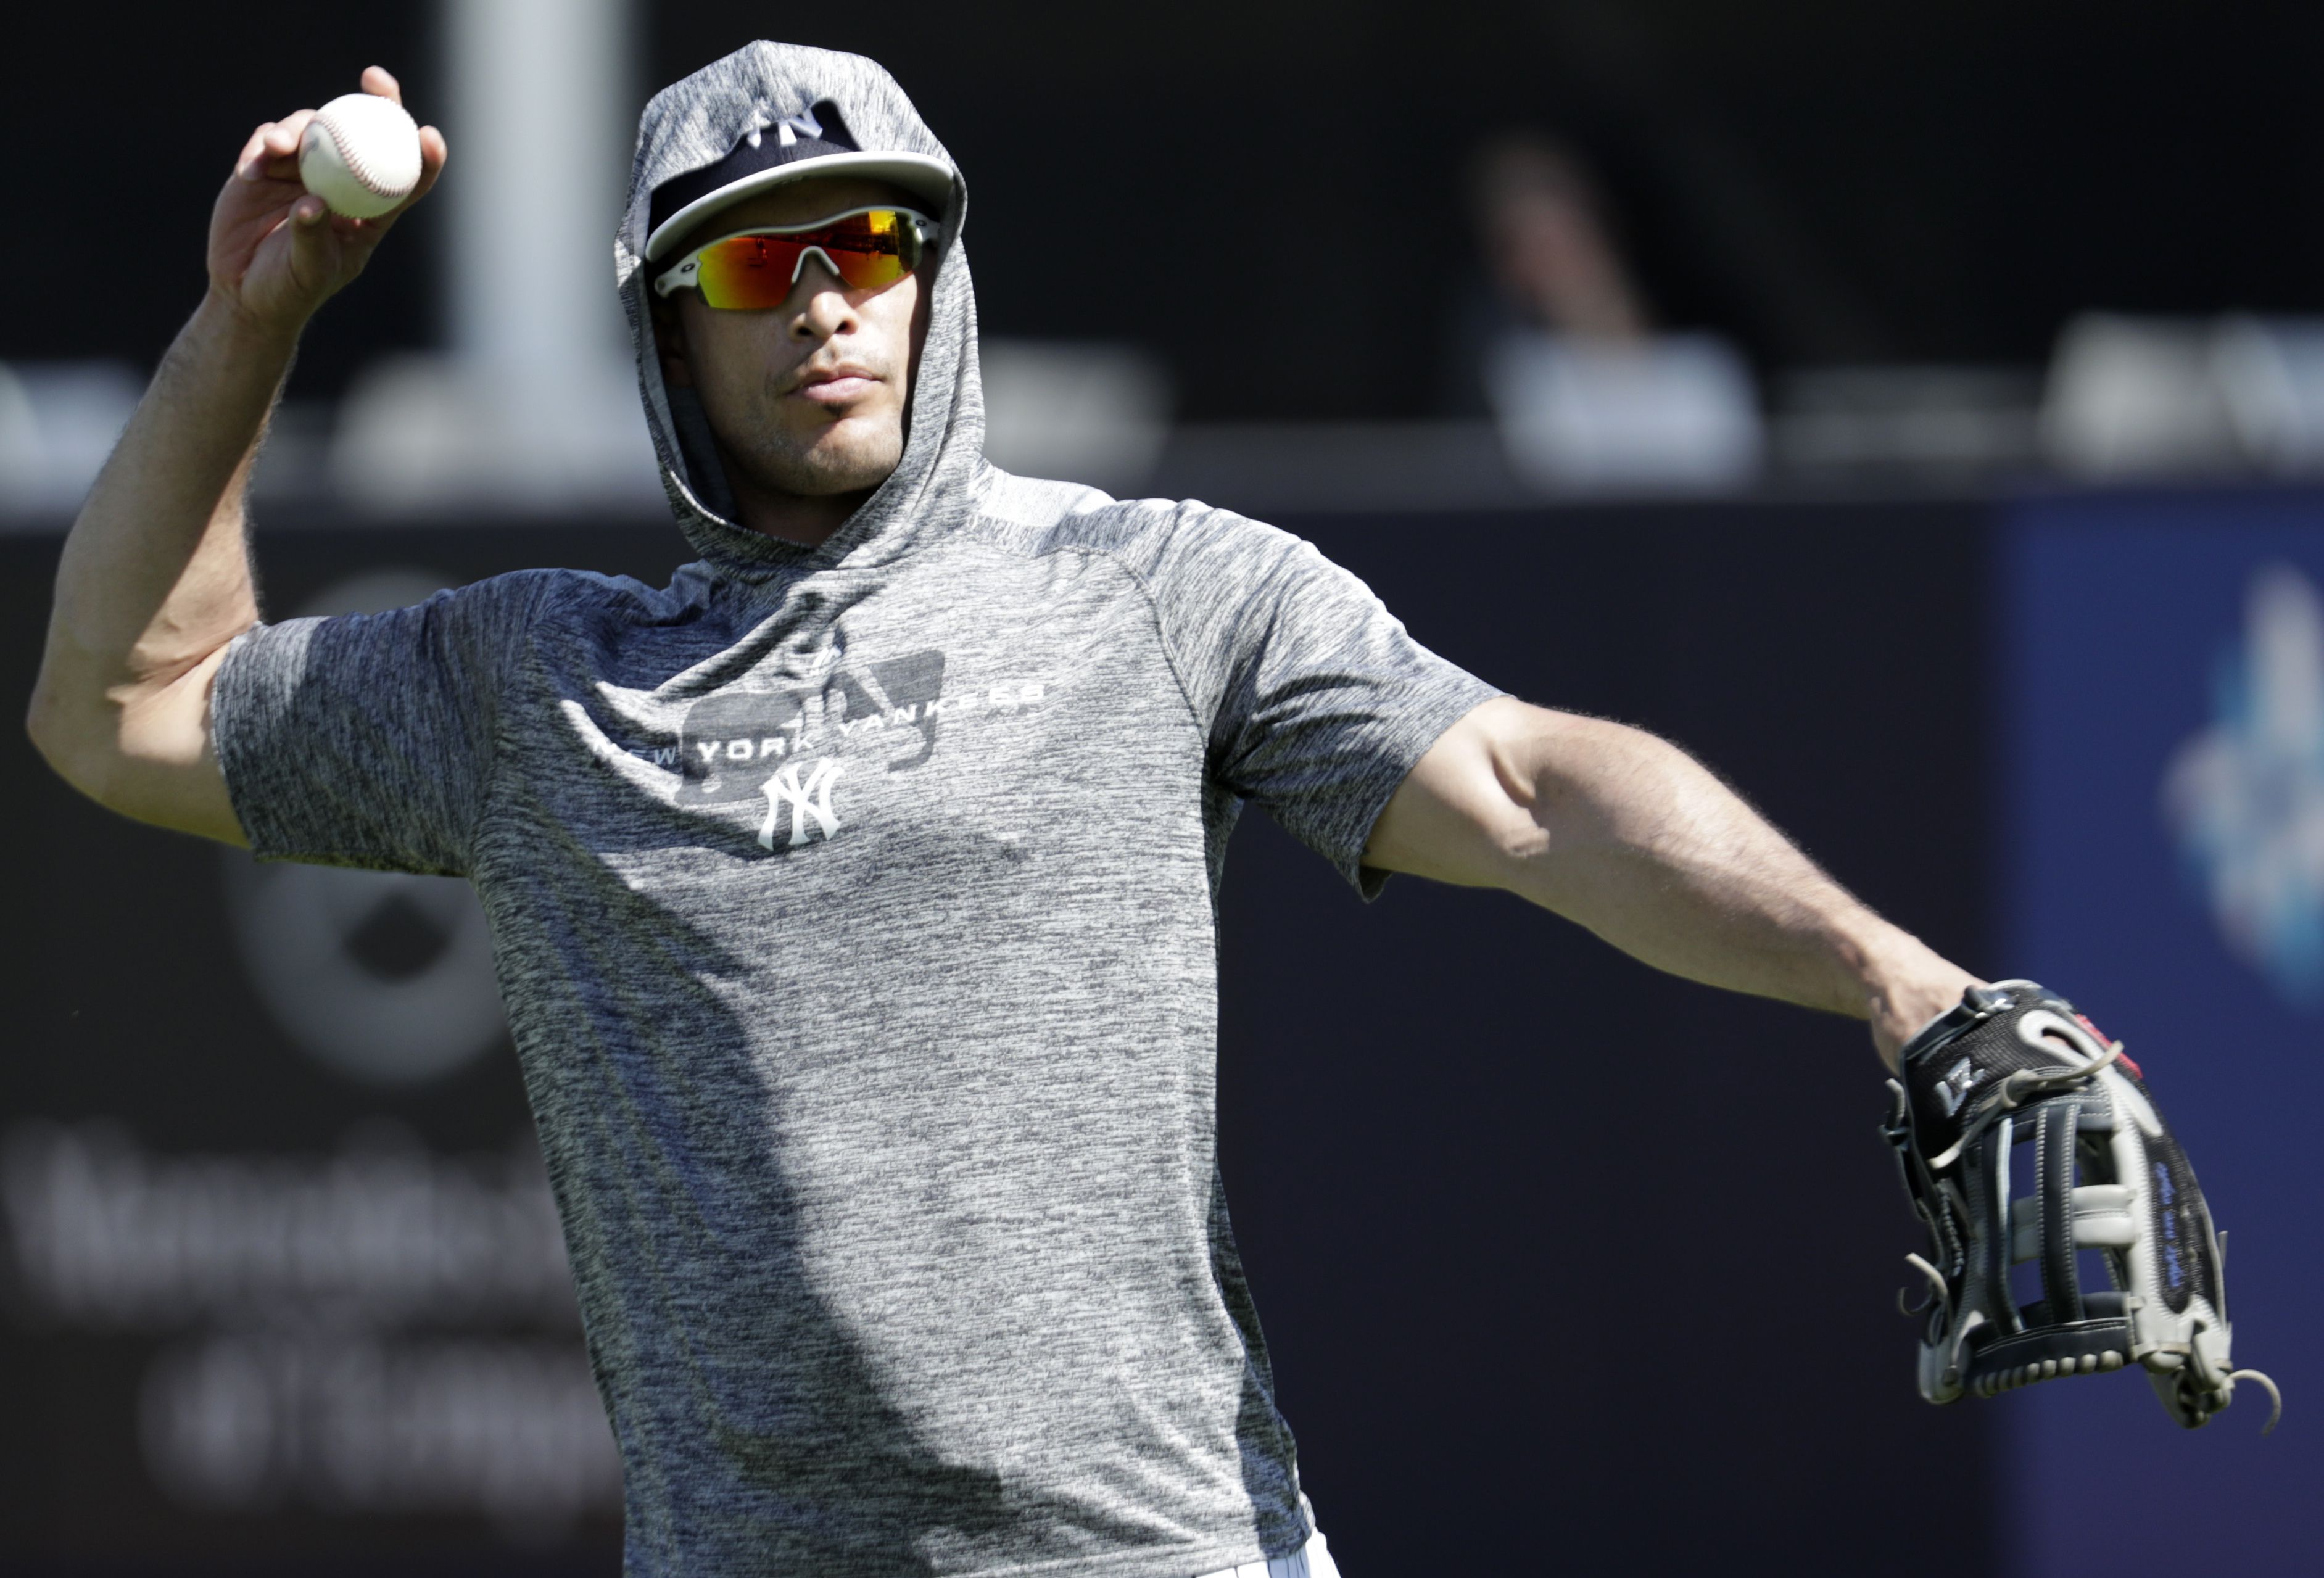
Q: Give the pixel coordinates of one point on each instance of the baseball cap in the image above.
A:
(815, 142)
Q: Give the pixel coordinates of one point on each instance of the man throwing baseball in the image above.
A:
(854, 893)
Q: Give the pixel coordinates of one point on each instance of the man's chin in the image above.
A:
(836, 462)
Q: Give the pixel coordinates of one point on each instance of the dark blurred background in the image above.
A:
(1918, 413)
(1918, 248)
(1275, 189)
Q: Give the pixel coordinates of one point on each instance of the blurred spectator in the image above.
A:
(1564, 354)
(1548, 244)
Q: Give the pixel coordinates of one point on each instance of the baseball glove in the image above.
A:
(2015, 1066)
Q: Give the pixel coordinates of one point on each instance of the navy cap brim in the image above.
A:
(924, 177)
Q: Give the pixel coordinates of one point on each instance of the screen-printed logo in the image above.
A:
(732, 745)
(808, 800)
(783, 751)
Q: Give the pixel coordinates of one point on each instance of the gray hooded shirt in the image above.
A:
(854, 907)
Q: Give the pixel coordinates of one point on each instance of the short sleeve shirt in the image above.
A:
(857, 931)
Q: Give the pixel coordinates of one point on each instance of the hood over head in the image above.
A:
(725, 113)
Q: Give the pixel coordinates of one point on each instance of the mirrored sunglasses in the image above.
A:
(756, 268)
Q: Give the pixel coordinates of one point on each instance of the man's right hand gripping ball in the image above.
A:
(276, 250)
(2024, 1136)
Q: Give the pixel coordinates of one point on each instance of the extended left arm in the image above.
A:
(1627, 836)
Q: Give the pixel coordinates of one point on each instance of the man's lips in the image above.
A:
(836, 385)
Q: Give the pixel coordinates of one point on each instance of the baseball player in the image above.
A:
(854, 894)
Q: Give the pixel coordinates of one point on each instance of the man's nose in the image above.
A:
(827, 311)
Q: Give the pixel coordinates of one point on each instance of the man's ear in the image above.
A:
(669, 343)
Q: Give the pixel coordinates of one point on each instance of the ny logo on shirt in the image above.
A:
(807, 798)
(730, 739)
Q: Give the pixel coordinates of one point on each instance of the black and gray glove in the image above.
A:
(2005, 1101)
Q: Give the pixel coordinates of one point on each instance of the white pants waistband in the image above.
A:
(1311, 1560)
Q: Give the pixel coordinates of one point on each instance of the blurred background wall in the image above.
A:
(1971, 240)
(1918, 415)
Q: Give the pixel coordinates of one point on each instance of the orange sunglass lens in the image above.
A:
(748, 271)
(757, 271)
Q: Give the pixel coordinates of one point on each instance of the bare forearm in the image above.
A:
(156, 571)
(154, 577)
(1627, 836)
(1641, 845)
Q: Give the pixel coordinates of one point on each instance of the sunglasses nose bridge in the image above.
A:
(830, 267)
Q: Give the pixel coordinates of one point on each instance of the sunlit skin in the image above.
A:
(808, 401)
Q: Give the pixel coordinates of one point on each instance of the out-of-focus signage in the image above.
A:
(381, 1329)
(2160, 770)
(2246, 790)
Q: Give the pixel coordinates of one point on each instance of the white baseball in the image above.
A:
(361, 155)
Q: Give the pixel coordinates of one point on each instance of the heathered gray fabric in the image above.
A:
(854, 908)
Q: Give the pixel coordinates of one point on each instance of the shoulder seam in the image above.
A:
(1153, 606)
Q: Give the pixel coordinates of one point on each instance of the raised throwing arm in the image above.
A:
(155, 575)
(1627, 835)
